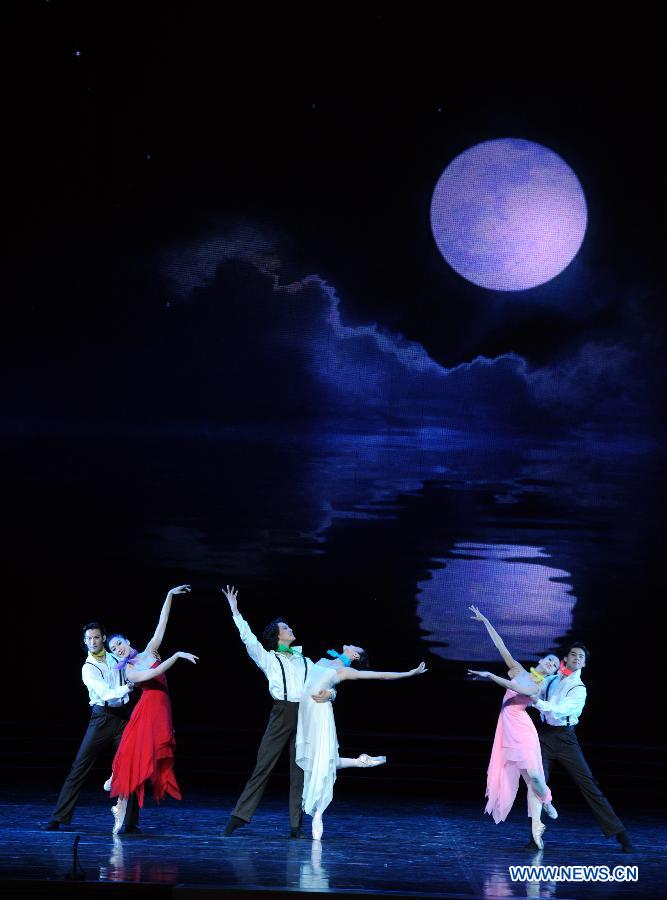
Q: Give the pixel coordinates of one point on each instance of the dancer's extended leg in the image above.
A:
(541, 789)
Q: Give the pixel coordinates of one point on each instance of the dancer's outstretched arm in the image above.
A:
(510, 662)
(504, 682)
(356, 674)
(154, 644)
(135, 675)
(258, 654)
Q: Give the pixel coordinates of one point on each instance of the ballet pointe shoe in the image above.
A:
(365, 761)
(550, 809)
(538, 830)
(107, 784)
(317, 826)
(119, 814)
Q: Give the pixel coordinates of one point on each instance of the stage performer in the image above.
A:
(108, 693)
(516, 747)
(316, 740)
(286, 670)
(146, 751)
(561, 700)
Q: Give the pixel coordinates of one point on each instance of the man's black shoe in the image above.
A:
(531, 845)
(232, 825)
(297, 834)
(53, 825)
(623, 839)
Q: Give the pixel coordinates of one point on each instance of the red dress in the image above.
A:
(146, 750)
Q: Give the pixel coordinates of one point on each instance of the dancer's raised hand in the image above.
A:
(480, 674)
(421, 668)
(231, 593)
(478, 617)
(181, 589)
(181, 654)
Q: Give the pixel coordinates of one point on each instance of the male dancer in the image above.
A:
(286, 670)
(110, 711)
(561, 702)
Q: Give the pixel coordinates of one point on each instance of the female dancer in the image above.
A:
(516, 746)
(146, 750)
(316, 740)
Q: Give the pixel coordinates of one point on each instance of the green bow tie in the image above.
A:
(283, 649)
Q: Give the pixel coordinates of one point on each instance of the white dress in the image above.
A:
(317, 742)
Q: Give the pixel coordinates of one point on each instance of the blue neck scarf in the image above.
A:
(123, 662)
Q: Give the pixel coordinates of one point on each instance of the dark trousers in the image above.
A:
(104, 731)
(560, 744)
(280, 731)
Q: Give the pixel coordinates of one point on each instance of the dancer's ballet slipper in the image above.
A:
(107, 784)
(317, 827)
(538, 830)
(550, 810)
(365, 761)
(119, 811)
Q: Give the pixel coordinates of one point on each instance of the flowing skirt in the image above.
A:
(516, 746)
(316, 753)
(146, 750)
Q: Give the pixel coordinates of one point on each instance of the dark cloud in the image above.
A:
(231, 342)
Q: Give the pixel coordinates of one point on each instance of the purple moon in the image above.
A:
(508, 214)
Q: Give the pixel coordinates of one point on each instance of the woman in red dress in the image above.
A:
(146, 750)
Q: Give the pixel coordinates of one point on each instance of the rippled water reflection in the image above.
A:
(528, 601)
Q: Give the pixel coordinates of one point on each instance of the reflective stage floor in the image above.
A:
(372, 846)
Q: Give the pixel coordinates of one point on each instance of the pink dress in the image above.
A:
(516, 746)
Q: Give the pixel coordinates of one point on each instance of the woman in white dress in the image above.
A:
(316, 740)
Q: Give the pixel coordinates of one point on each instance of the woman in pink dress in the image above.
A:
(146, 750)
(516, 746)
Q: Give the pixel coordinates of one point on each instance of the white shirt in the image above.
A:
(106, 684)
(273, 664)
(567, 696)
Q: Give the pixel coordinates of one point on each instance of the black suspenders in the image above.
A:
(282, 669)
(549, 688)
(123, 680)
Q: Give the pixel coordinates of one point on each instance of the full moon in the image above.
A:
(508, 214)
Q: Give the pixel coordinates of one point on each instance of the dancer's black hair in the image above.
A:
(92, 625)
(579, 646)
(116, 634)
(271, 632)
(362, 662)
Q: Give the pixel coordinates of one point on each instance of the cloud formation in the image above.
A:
(371, 368)
(291, 344)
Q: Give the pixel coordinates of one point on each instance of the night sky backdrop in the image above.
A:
(233, 353)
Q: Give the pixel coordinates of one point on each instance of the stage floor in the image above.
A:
(398, 846)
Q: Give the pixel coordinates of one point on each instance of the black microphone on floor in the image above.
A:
(80, 874)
